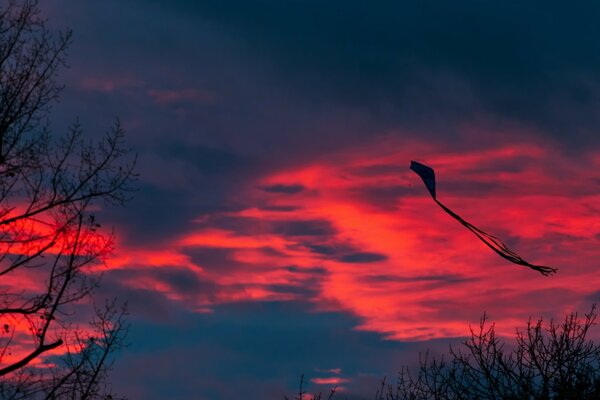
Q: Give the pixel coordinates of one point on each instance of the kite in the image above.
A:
(426, 173)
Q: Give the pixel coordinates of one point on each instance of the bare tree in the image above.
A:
(548, 361)
(50, 239)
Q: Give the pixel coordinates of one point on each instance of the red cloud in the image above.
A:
(335, 380)
(362, 236)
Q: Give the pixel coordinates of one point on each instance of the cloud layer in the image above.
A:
(275, 198)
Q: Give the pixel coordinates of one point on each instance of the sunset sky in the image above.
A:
(278, 229)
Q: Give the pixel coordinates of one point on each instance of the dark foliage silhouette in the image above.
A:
(553, 361)
(50, 240)
(428, 175)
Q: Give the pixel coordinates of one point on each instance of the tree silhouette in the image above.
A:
(552, 361)
(50, 240)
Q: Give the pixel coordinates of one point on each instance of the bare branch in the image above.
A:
(49, 187)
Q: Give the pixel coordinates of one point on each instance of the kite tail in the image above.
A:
(497, 245)
(428, 175)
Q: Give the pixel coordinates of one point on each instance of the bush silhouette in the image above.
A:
(547, 361)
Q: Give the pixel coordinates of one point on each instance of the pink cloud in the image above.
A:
(329, 381)
(397, 262)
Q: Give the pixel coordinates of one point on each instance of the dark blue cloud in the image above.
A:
(251, 225)
(153, 214)
(312, 270)
(254, 351)
(411, 63)
(309, 289)
(304, 228)
(208, 160)
(442, 279)
(344, 252)
(363, 257)
(282, 75)
(325, 249)
(285, 189)
(213, 259)
(148, 302)
(282, 209)
(382, 197)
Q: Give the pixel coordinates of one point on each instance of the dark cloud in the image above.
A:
(312, 270)
(593, 297)
(446, 279)
(345, 252)
(325, 249)
(255, 350)
(252, 225)
(285, 189)
(305, 284)
(306, 291)
(152, 214)
(364, 257)
(415, 61)
(208, 160)
(218, 260)
(287, 77)
(182, 281)
(304, 228)
(282, 209)
(146, 304)
(233, 223)
(382, 197)
(178, 280)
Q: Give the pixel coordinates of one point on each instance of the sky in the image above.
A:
(278, 230)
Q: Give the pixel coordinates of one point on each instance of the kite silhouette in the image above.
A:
(426, 173)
